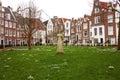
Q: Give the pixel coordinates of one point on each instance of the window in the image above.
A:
(85, 19)
(14, 33)
(6, 32)
(72, 30)
(7, 16)
(97, 19)
(10, 24)
(112, 41)
(10, 32)
(110, 18)
(96, 3)
(2, 15)
(80, 28)
(85, 26)
(97, 10)
(110, 9)
(2, 22)
(18, 33)
(48, 26)
(66, 24)
(110, 30)
(100, 31)
(85, 33)
(13, 41)
(48, 32)
(14, 25)
(6, 23)
(95, 40)
(77, 29)
(21, 35)
(67, 32)
(90, 33)
(95, 31)
(6, 41)
(2, 30)
(86, 40)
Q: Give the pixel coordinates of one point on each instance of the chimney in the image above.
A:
(9, 7)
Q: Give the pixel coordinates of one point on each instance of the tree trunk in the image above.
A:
(119, 35)
(29, 42)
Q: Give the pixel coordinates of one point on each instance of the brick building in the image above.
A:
(11, 31)
(103, 23)
(8, 27)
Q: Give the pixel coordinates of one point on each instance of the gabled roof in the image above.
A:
(40, 24)
(60, 20)
(106, 5)
(45, 23)
(9, 10)
(37, 22)
(65, 19)
(88, 16)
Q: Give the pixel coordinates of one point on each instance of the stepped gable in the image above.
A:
(106, 5)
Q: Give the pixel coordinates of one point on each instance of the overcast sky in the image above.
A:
(60, 8)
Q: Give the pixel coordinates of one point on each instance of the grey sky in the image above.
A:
(60, 8)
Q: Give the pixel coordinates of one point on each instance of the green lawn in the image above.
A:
(78, 63)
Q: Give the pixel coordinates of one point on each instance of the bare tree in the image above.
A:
(28, 16)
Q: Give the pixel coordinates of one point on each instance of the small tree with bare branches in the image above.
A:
(28, 16)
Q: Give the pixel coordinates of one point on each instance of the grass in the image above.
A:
(42, 63)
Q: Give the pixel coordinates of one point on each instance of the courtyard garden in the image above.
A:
(77, 63)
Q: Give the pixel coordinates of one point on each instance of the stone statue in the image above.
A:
(60, 44)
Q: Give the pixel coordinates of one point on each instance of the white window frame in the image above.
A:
(85, 25)
(14, 25)
(97, 10)
(110, 18)
(10, 24)
(110, 30)
(85, 32)
(97, 19)
(100, 31)
(6, 23)
(95, 31)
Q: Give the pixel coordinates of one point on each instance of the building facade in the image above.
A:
(99, 28)
(8, 27)
(13, 34)
(103, 23)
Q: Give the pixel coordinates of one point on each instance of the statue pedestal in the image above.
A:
(60, 44)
